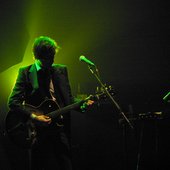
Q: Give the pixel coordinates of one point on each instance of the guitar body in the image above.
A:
(23, 131)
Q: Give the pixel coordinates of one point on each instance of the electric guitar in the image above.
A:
(24, 132)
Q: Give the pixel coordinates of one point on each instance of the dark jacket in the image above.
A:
(27, 87)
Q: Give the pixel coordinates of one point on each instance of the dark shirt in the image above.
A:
(44, 82)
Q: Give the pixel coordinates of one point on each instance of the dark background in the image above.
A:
(129, 43)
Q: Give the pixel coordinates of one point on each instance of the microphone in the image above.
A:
(166, 97)
(84, 59)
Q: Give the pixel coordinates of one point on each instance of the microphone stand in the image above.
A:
(96, 74)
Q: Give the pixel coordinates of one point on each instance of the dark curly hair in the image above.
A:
(44, 47)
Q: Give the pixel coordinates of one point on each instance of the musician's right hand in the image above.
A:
(41, 118)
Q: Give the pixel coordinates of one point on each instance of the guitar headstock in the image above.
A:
(101, 92)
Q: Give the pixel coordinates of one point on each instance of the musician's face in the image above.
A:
(46, 62)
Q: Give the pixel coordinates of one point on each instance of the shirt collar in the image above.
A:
(38, 67)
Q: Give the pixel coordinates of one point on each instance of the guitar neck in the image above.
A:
(56, 113)
(65, 109)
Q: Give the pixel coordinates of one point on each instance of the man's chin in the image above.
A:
(47, 67)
